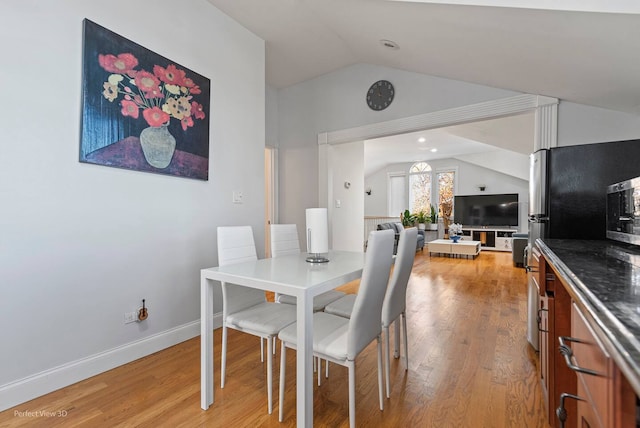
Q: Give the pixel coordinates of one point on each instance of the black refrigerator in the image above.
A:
(567, 198)
(568, 185)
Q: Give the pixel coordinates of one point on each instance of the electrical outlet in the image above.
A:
(130, 317)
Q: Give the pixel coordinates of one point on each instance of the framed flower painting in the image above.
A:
(141, 110)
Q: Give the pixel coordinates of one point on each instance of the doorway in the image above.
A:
(545, 135)
(270, 195)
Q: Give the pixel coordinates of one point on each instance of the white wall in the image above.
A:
(580, 124)
(347, 219)
(271, 116)
(467, 180)
(336, 101)
(82, 244)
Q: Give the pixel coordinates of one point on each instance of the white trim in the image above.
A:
(599, 6)
(546, 127)
(30, 387)
(546, 122)
(545, 134)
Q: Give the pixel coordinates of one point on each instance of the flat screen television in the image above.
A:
(486, 210)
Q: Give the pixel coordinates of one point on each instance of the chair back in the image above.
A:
(364, 325)
(236, 245)
(284, 240)
(395, 299)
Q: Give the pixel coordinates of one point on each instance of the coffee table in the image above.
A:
(460, 248)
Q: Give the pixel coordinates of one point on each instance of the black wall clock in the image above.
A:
(380, 95)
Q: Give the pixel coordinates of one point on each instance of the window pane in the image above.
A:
(397, 198)
(446, 182)
(420, 187)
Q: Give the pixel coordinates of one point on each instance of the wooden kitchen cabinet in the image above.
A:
(607, 400)
(558, 378)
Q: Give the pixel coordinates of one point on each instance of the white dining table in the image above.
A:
(290, 275)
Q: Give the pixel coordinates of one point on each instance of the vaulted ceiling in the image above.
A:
(590, 58)
(587, 52)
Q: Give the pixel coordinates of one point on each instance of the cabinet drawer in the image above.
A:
(596, 390)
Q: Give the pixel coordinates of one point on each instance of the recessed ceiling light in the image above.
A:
(389, 44)
(434, 150)
(421, 140)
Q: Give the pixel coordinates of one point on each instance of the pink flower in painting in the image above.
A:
(164, 94)
(171, 75)
(149, 84)
(155, 116)
(121, 64)
(129, 108)
(197, 110)
(186, 122)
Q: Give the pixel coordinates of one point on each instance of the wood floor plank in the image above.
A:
(469, 366)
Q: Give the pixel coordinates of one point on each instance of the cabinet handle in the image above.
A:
(561, 412)
(567, 352)
(539, 319)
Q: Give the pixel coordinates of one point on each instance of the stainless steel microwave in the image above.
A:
(623, 211)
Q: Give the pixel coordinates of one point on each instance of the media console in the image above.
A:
(497, 239)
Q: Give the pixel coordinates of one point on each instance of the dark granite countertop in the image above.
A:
(604, 280)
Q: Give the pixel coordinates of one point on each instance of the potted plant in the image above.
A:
(422, 220)
(408, 219)
(433, 219)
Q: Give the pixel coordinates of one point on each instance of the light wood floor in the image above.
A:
(469, 366)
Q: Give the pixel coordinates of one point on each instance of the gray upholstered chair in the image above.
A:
(394, 306)
(246, 309)
(339, 339)
(397, 227)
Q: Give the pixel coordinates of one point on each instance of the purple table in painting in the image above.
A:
(127, 153)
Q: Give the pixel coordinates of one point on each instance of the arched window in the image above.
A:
(420, 187)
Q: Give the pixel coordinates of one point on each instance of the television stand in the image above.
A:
(491, 238)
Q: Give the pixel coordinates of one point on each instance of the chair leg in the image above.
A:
(261, 351)
(319, 369)
(396, 339)
(269, 374)
(351, 365)
(326, 368)
(386, 358)
(283, 365)
(406, 341)
(274, 345)
(223, 358)
(380, 373)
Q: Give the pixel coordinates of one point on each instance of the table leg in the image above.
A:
(206, 343)
(304, 366)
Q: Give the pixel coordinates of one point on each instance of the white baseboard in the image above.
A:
(30, 387)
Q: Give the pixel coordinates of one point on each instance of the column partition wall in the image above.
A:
(545, 135)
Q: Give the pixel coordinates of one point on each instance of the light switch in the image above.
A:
(237, 197)
(338, 203)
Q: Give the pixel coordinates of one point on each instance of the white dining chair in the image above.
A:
(340, 340)
(394, 305)
(246, 309)
(284, 241)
